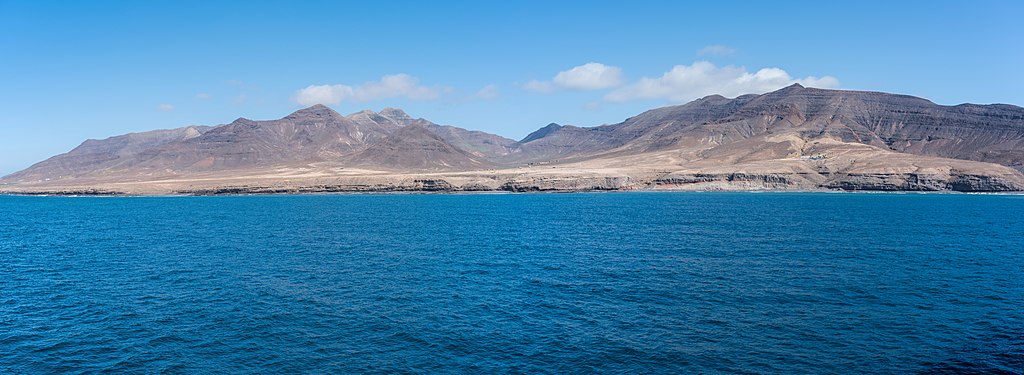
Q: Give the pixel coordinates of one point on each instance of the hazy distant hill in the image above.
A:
(793, 138)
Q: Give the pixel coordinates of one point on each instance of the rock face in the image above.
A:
(795, 138)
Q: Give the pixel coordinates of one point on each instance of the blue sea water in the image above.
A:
(513, 283)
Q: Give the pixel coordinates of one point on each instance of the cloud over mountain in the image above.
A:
(388, 87)
(702, 78)
(589, 76)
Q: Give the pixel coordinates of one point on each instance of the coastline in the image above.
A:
(553, 180)
(235, 193)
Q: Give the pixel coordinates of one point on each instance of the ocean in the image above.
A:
(513, 283)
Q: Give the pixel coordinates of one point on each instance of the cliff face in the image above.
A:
(794, 138)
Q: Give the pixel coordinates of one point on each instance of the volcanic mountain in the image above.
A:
(389, 139)
(899, 123)
(794, 138)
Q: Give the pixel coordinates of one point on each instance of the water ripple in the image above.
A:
(566, 283)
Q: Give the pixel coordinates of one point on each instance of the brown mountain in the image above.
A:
(478, 143)
(311, 135)
(94, 155)
(900, 123)
(794, 138)
(415, 147)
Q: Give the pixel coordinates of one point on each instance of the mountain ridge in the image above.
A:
(714, 111)
(829, 135)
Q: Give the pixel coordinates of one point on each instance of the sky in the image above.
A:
(75, 70)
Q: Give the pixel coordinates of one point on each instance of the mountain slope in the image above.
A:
(96, 154)
(793, 138)
(310, 135)
(414, 147)
(989, 133)
(478, 143)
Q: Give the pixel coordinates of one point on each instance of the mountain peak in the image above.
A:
(786, 91)
(395, 114)
(713, 98)
(386, 116)
(542, 132)
(314, 111)
(791, 88)
(393, 111)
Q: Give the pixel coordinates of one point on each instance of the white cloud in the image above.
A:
(321, 94)
(165, 107)
(389, 86)
(204, 96)
(716, 50)
(488, 92)
(539, 86)
(688, 82)
(589, 76)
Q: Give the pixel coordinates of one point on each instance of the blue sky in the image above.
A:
(76, 70)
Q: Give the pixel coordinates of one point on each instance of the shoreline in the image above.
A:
(117, 194)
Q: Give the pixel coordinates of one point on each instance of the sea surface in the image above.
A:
(513, 283)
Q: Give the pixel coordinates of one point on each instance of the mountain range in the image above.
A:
(795, 138)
